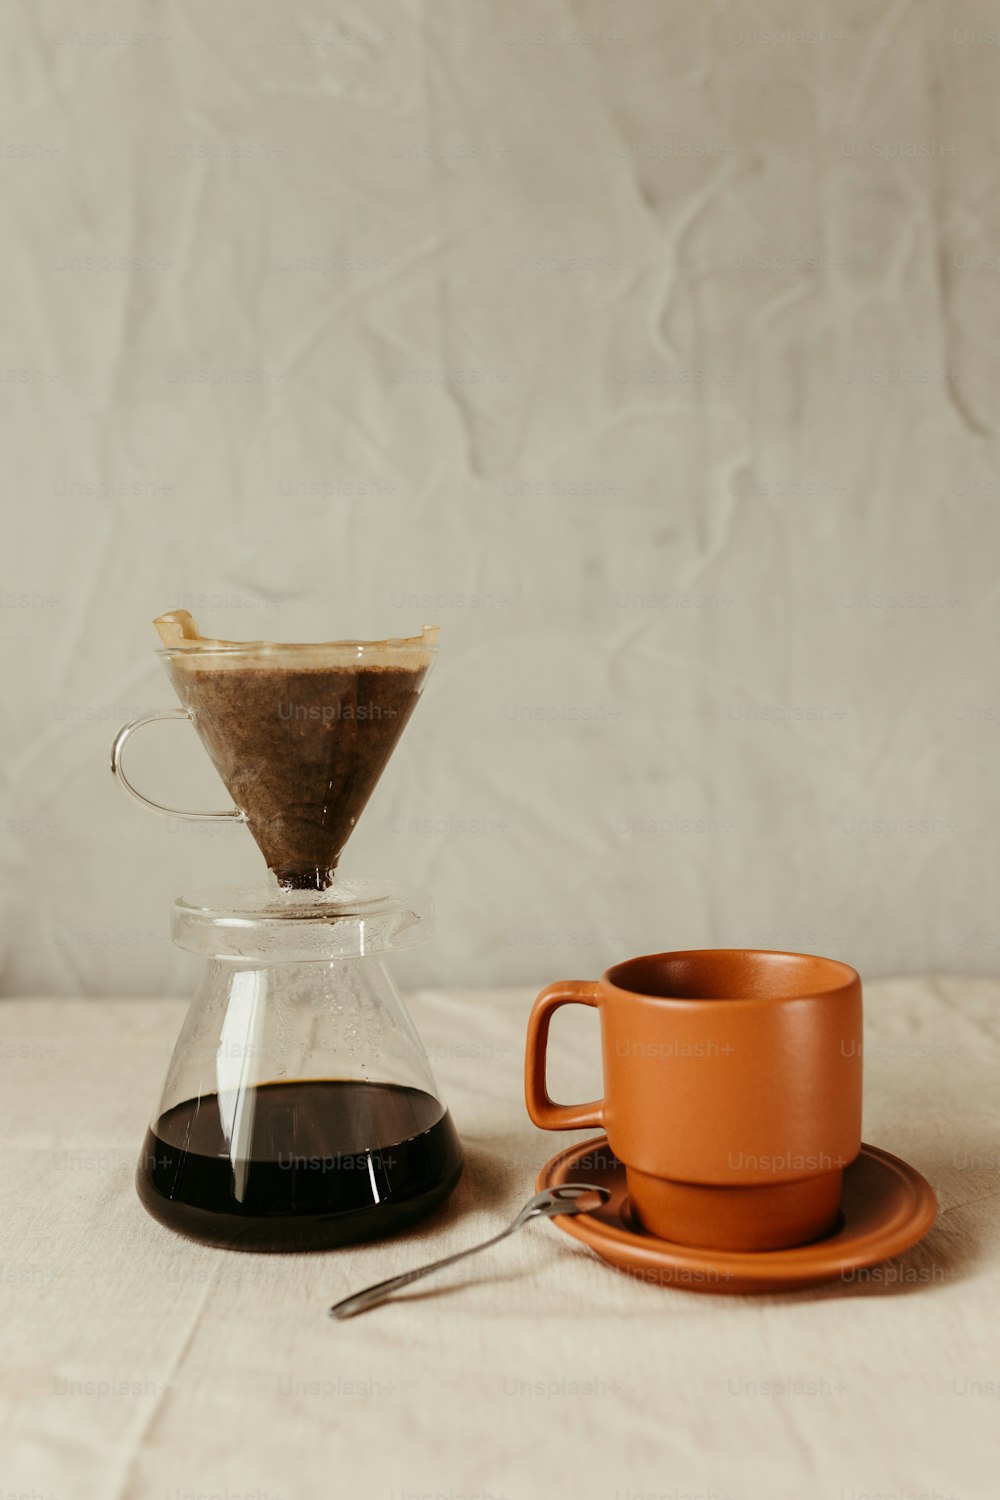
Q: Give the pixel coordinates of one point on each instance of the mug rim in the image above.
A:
(847, 977)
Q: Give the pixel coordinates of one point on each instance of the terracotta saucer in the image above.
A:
(886, 1207)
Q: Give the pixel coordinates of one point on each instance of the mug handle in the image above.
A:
(119, 774)
(542, 1109)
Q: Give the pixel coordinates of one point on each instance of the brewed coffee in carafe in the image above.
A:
(299, 1110)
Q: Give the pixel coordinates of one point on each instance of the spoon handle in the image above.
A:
(372, 1295)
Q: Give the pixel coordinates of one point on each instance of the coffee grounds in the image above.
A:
(300, 752)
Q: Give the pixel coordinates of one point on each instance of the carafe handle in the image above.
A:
(119, 774)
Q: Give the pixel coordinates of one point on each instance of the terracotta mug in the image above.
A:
(732, 1090)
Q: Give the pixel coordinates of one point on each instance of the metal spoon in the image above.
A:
(568, 1198)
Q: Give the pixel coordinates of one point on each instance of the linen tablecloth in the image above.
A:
(139, 1364)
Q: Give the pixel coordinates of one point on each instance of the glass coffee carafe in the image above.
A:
(299, 1110)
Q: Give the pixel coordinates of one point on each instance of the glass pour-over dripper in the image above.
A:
(299, 1110)
(299, 734)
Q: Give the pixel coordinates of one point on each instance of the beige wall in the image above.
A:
(669, 341)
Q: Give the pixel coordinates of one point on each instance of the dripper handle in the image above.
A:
(118, 772)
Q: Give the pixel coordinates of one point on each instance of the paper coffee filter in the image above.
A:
(189, 649)
(300, 734)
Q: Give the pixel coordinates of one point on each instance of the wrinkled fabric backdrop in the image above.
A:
(648, 349)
